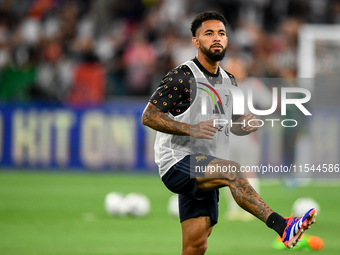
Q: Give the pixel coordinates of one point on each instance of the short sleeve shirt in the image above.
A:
(176, 90)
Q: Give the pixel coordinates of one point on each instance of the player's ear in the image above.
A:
(195, 42)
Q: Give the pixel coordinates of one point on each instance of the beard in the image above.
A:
(214, 56)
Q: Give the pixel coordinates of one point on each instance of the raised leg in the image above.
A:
(242, 192)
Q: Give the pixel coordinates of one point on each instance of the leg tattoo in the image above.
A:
(246, 197)
(243, 193)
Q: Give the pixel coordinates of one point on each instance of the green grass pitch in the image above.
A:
(63, 213)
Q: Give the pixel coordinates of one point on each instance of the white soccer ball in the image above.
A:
(137, 204)
(303, 204)
(173, 208)
(115, 204)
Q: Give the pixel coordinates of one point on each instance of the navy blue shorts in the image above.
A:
(193, 202)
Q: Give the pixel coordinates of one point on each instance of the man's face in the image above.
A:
(211, 39)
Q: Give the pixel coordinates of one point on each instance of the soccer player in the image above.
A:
(184, 109)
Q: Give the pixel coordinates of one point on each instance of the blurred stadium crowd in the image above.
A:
(88, 51)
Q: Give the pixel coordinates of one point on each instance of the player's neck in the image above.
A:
(208, 64)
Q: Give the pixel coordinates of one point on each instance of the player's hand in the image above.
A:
(253, 122)
(204, 129)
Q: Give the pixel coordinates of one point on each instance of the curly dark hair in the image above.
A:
(204, 16)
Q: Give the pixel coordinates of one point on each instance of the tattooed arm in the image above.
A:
(156, 119)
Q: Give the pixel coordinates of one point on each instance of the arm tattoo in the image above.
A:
(158, 120)
(195, 129)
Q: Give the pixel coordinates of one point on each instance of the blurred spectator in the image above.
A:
(17, 80)
(334, 12)
(88, 77)
(54, 73)
(139, 60)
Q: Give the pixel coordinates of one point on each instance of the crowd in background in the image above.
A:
(86, 51)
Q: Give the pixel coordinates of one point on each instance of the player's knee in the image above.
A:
(197, 246)
(234, 167)
(202, 248)
(196, 249)
(232, 170)
(230, 166)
